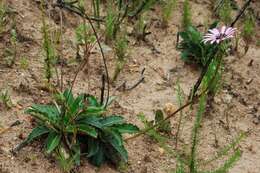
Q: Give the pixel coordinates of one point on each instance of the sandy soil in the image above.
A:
(235, 109)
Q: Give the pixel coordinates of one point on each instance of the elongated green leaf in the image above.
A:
(113, 135)
(77, 104)
(70, 128)
(93, 101)
(76, 157)
(99, 157)
(119, 148)
(84, 128)
(93, 147)
(112, 120)
(90, 120)
(110, 101)
(48, 111)
(52, 141)
(126, 128)
(37, 132)
(68, 96)
(92, 110)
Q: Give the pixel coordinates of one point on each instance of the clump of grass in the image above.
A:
(140, 27)
(168, 7)
(186, 16)
(248, 27)
(24, 63)
(110, 22)
(121, 50)
(11, 52)
(5, 99)
(224, 12)
(3, 16)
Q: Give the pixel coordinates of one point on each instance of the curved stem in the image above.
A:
(82, 13)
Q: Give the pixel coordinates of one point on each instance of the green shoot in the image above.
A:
(121, 46)
(186, 16)
(168, 7)
(24, 63)
(214, 84)
(225, 11)
(110, 22)
(11, 52)
(84, 38)
(96, 9)
(5, 99)
(248, 32)
(49, 50)
(180, 95)
(195, 133)
(3, 16)
(140, 27)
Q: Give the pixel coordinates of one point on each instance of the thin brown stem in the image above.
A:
(61, 51)
(193, 100)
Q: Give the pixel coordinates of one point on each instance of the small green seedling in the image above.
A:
(168, 7)
(5, 99)
(11, 52)
(248, 32)
(84, 38)
(121, 49)
(24, 63)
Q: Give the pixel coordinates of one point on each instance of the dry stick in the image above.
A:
(246, 5)
(138, 82)
(16, 123)
(125, 88)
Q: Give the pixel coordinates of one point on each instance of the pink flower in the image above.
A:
(218, 35)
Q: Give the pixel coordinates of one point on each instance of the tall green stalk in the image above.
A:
(186, 17)
(48, 49)
(96, 10)
(195, 133)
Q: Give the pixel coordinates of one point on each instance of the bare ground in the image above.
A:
(235, 109)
